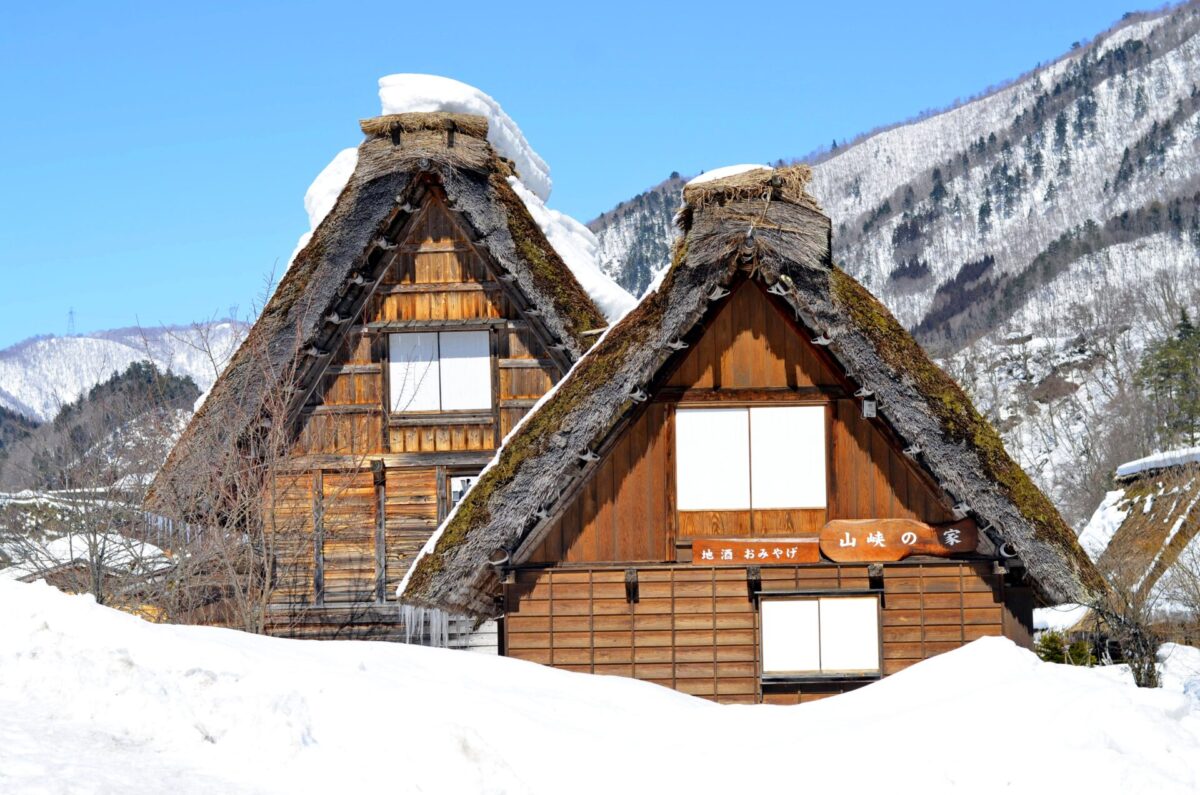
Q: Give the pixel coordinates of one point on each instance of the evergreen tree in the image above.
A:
(1051, 647)
(1170, 374)
(938, 192)
(985, 216)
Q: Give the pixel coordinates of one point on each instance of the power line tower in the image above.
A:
(71, 322)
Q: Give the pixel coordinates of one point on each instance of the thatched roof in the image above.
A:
(1159, 513)
(765, 224)
(294, 338)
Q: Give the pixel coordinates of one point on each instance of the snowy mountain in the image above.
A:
(42, 374)
(1036, 238)
(634, 237)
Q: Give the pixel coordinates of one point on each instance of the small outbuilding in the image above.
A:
(1145, 538)
(756, 487)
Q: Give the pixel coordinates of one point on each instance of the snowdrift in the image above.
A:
(93, 700)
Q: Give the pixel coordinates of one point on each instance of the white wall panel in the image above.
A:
(787, 451)
(413, 381)
(850, 634)
(790, 636)
(466, 370)
(712, 460)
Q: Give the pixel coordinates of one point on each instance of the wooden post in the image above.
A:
(379, 475)
(319, 537)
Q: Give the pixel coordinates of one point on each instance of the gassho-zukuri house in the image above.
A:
(755, 487)
(1145, 528)
(425, 316)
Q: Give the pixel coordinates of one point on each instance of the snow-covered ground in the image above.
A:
(96, 701)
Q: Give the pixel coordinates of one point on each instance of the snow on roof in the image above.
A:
(1104, 523)
(416, 93)
(1059, 617)
(113, 551)
(577, 246)
(725, 171)
(95, 695)
(322, 194)
(1171, 458)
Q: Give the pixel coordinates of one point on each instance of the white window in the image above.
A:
(828, 635)
(767, 457)
(458, 485)
(712, 454)
(439, 371)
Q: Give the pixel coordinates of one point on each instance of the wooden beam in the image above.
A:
(517, 364)
(345, 463)
(318, 491)
(440, 287)
(441, 418)
(473, 324)
(804, 394)
(348, 369)
(380, 478)
(341, 408)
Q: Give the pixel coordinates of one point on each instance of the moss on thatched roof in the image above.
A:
(764, 224)
(403, 157)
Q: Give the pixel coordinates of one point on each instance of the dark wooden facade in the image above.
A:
(364, 486)
(610, 586)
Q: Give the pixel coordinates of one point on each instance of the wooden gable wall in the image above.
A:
(748, 353)
(345, 533)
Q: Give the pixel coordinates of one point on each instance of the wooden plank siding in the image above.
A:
(696, 629)
(749, 354)
(371, 531)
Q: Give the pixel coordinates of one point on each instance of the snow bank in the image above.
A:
(725, 171)
(414, 93)
(577, 246)
(99, 701)
(1187, 455)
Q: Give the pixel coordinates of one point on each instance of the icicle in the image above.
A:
(426, 626)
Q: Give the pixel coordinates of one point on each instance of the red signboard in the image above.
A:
(888, 540)
(754, 552)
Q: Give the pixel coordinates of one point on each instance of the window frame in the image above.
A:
(389, 395)
(824, 405)
(821, 675)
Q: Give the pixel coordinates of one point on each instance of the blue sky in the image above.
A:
(156, 154)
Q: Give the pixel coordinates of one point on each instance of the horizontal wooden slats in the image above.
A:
(697, 629)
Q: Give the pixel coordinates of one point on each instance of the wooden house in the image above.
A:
(1144, 539)
(755, 487)
(423, 319)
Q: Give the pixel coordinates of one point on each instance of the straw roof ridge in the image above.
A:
(475, 126)
(762, 229)
(353, 238)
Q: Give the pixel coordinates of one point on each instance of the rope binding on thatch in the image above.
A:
(460, 123)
